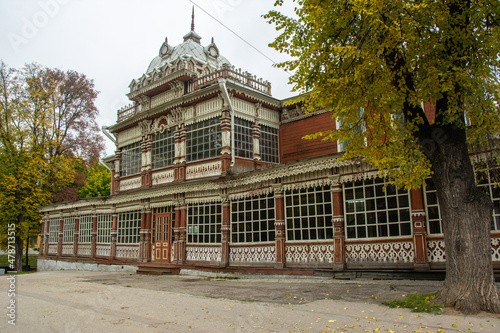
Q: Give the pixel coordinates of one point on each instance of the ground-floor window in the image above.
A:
(252, 220)
(432, 208)
(104, 224)
(85, 235)
(308, 214)
(487, 179)
(129, 225)
(69, 229)
(375, 209)
(54, 225)
(204, 222)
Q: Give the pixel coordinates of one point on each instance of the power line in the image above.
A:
(234, 33)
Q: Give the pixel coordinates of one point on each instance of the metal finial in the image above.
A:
(212, 40)
(192, 20)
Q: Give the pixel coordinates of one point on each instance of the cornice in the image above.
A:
(175, 75)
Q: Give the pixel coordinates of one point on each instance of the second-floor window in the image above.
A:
(243, 138)
(163, 149)
(131, 159)
(204, 140)
(268, 144)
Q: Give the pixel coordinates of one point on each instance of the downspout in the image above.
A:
(106, 132)
(225, 95)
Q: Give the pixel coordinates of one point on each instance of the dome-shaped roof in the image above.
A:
(190, 48)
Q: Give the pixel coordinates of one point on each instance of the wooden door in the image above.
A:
(162, 235)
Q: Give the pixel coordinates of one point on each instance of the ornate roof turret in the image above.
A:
(190, 48)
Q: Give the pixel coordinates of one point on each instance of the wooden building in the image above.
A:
(210, 173)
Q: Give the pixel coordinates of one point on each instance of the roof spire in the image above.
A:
(192, 20)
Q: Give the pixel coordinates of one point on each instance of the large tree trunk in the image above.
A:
(466, 214)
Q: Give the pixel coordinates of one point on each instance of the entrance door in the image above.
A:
(162, 237)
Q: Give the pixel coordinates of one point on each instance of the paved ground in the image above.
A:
(77, 301)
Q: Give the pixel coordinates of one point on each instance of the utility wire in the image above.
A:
(234, 33)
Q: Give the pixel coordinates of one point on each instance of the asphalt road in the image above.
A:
(78, 301)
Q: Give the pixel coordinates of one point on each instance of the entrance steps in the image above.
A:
(155, 268)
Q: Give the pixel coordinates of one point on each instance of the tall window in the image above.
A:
(69, 229)
(104, 223)
(268, 144)
(243, 138)
(432, 208)
(371, 211)
(85, 229)
(129, 225)
(252, 220)
(131, 159)
(358, 128)
(487, 180)
(54, 230)
(204, 139)
(308, 214)
(163, 149)
(204, 222)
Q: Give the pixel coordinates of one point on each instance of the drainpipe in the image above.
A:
(225, 95)
(106, 132)
(105, 165)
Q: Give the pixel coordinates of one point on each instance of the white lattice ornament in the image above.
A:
(205, 253)
(319, 253)
(253, 254)
(394, 252)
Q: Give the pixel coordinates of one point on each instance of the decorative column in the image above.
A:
(180, 153)
(226, 230)
(115, 181)
(176, 231)
(419, 231)
(60, 237)
(256, 140)
(338, 224)
(279, 225)
(145, 234)
(146, 162)
(225, 125)
(76, 236)
(114, 234)
(181, 221)
(46, 238)
(41, 248)
(93, 244)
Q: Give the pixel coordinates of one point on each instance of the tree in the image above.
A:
(98, 182)
(47, 119)
(374, 63)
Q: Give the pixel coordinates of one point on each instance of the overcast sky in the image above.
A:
(113, 41)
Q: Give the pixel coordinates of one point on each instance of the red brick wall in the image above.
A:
(293, 147)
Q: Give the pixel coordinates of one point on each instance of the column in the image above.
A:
(146, 162)
(115, 181)
(60, 237)
(76, 236)
(46, 238)
(180, 153)
(338, 225)
(114, 234)
(419, 231)
(225, 125)
(176, 231)
(256, 140)
(41, 248)
(226, 231)
(279, 225)
(181, 221)
(145, 234)
(93, 244)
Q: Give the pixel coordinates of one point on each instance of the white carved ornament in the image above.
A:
(393, 252)
(84, 249)
(52, 248)
(130, 184)
(67, 249)
(127, 251)
(204, 170)
(253, 254)
(206, 253)
(103, 250)
(320, 253)
(163, 177)
(436, 252)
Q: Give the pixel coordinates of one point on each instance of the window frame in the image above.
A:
(204, 223)
(162, 149)
(269, 144)
(200, 143)
(253, 219)
(131, 159)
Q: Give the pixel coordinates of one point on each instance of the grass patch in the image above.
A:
(417, 303)
(4, 260)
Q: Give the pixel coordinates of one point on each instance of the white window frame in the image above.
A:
(163, 149)
(85, 232)
(306, 217)
(69, 229)
(131, 159)
(252, 220)
(104, 225)
(269, 144)
(54, 226)
(129, 226)
(204, 223)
